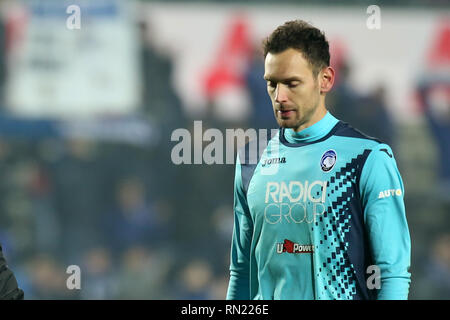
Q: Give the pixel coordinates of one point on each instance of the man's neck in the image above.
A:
(317, 116)
(312, 133)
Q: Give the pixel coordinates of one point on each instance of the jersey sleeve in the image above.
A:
(382, 192)
(239, 284)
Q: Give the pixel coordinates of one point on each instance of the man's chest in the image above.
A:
(297, 185)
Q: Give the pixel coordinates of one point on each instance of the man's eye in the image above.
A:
(271, 84)
(293, 84)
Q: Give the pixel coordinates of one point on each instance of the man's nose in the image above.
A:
(281, 93)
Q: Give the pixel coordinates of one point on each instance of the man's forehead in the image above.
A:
(289, 63)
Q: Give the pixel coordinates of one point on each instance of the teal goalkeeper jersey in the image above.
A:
(316, 215)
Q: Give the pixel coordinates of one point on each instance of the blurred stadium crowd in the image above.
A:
(141, 227)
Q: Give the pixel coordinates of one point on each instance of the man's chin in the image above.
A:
(286, 123)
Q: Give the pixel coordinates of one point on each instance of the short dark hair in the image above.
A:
(300, 35)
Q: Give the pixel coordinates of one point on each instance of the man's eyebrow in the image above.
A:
(290, 79)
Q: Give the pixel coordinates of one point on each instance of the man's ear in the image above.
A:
(326, 79)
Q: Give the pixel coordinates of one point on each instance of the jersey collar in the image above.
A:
(313, 133)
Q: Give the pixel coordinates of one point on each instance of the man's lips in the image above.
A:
(286, 112)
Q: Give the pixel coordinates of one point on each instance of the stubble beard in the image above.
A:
(300, 119)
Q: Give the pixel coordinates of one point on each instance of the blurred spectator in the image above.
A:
(98, 281)
(18, 208)
(143, 274)
(224, 81)
(433, 92)
(219, 287)
(368, 113)
(46, 222)
(221, 225)
(434, 95)
(262, 116)
(135, 221)
(48, 279)
(161, 103)
(79, 170)
(437, 269)
(195, 281)
(374, 118)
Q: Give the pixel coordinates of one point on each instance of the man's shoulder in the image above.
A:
(356, 143)
(344, 129)
(362, 146)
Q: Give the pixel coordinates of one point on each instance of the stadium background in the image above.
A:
(86, 118)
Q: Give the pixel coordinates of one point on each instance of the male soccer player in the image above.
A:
(9, 289)
(320, 215)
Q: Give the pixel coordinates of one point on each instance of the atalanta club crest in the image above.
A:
(328, 160)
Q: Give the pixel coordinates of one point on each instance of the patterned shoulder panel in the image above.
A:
(343, 129)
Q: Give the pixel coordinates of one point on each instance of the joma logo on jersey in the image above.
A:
(292, 247)
(390, 193)
(268, 162)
